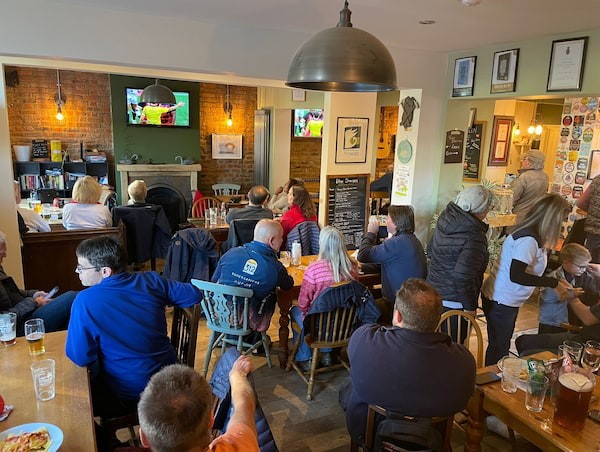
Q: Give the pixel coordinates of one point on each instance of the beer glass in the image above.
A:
(573, 349)
(34, 333)
(285, 258)
(511, 369)
(43, 375)
(575, 387)
(591, 356)
(8, 328)
(536, 393)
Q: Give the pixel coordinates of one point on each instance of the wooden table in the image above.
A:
(285, 299)
(537, 428)
(71, 408)
(219, 231)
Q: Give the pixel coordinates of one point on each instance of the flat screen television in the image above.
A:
(307, 123)
(157, 115)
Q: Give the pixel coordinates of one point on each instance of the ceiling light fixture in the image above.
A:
(228, 108)
(343, 59)
(470, 2)
(426, 22)
(517, 130)
(157, 94)
(59, 98)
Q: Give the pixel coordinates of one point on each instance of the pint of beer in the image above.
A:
(34, 333)
(573, 399)
(8, 328)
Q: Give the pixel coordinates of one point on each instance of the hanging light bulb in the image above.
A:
(60, 99)
(228, 108)
(229, 121)
(531, 129)
(59, 114)
(538, 129)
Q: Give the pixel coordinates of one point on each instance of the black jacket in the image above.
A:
(458, 256)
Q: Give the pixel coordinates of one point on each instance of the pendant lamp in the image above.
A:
(59, 99)
(344, 59)
(157, 94)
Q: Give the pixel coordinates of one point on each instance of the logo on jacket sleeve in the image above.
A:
(250, 267)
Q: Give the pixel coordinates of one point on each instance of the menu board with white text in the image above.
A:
(347, 198)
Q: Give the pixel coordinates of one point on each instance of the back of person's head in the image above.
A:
(332, 248)
(403, 218)
(546, 218)
(293, 182)
(535, 158)
(87, 190)
(475, 199)
(104, 251)
(138, 191)
(175, 410)
(419, 304)
(265, 230)
(574, 253)
(17, 188)
(301, 198)
(258, 195)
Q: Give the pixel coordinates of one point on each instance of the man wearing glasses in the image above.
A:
(118, 327)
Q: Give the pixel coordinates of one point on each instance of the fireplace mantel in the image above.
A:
(128, 173)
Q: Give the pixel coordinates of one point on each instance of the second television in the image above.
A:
(307, 123)
(161, 115)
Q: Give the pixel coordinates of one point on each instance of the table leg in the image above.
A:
(284, 301)
(476, 422)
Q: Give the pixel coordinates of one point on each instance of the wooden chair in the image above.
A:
(226, 189)
(240, 232)
(184, 333)
(203, 204)
(459, 324)
(227, 313)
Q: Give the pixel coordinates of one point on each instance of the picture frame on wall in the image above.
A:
(566, 64)
(464, 76)
(226, 146)
(298, 95)
(504, 71)
(500, 144)
(351, 140)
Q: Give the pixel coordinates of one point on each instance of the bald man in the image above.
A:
(255, 210)
(255, 266)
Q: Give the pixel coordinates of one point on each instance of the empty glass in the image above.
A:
(536, 393)
(571, 348)
(511, 368)
(591, 356)
(284, 258)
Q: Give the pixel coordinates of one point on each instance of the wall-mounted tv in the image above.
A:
(158, 115)
(307, 122)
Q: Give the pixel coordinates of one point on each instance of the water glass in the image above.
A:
(285, 258)
(213, 214)
(43, 374)
(8, 328)
(591, 355)
(34, 333)
(536, 393)
(571, 348)
(511, 368)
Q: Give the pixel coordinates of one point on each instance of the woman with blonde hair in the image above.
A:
(519, 270)
(332, 266)
(301, 209)
(85, 211)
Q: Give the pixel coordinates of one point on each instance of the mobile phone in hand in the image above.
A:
(52, 293)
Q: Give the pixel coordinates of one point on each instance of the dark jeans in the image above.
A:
(528, 344)
(550, 329)
(500, 327)
(592, 243)
(55, 314)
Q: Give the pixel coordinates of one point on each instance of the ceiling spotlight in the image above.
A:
(426, 22)
(470, 2)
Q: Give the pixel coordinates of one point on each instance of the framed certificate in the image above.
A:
(566, 64)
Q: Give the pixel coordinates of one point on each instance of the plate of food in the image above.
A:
(34, 436)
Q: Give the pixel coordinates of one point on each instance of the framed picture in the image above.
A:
(504, 71)
(351, 141)
(298, 95)
(566, 64)
(594, 168)
(464, 76)
(500, 145)
(226, 146)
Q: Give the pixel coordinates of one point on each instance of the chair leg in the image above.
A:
(313, 369)
(266, 346)
(209, 350)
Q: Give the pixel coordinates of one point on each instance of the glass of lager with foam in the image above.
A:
(34, 333)
(575, 387)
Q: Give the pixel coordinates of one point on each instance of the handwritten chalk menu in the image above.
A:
(39, 150)
(347, 198)
(472, 163)
(455, 139)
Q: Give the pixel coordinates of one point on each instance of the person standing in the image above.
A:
(590, 202)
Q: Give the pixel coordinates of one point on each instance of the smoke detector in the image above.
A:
(470, 2)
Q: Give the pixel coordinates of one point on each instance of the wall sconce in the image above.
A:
(60, 99)
(516, 130)
(535, 127)
(227, 107)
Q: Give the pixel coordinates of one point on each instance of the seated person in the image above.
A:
(118, 327)
(407, 368)
(85, 212)
(175, 411)
(255, 266)
(137, 191)
(301, 209)
(333, 266)
(255, 210)
(29, 304)
(575, 260)
(401, 256)
(33, 220)
(278, 203)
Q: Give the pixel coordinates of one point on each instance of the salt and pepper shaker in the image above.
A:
(296, 253)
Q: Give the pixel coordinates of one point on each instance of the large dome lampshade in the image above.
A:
(157, 94)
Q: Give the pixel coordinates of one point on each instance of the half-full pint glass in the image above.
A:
(573, 399)
(34, 333)
(8, 328)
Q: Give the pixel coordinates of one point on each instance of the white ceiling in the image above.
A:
(394, 22)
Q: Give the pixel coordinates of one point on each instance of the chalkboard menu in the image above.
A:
(473, 147)
(455, 139)
(39, 150)
(347, 198)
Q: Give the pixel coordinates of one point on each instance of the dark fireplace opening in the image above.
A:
(173, 202)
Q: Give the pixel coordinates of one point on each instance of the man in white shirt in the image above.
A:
(33, 221)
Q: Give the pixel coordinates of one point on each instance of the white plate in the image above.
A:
(524, 369)
(56, 434)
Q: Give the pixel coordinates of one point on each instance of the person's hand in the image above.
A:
(41, 301)
(373, 225)
(278, 190)
(594, 269)
(39, 293)
(241, 367)
(577, 292)
(564, 289)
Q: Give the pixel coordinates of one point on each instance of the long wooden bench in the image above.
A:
(49, 258)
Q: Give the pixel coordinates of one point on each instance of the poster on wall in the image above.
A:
(504, 72)
(453, 151)
(472, 161)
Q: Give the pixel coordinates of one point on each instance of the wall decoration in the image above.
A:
(298, 95)
(226, 146)
(500, 145)
(464, 76)
(594, 169)
(566, 64)
(504, 72)
(351, 142)
(472, 161)
(455, 140)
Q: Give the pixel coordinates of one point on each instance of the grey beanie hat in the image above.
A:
(474, 199)
(537, 158)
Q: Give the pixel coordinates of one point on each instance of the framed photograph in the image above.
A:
(464, 76)
(566, 64)
(500, 145)
(298, 95)
(351, 140)
(226, 146)
(504, 71)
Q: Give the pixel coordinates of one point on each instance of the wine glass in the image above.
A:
(591, 355)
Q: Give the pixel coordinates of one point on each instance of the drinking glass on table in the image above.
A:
(8, 328)
(511, 369)
(536, 393)
(34, 333)
(43, 374)
(571, 348)
(591, 355)
(285, 258)
(573, 399)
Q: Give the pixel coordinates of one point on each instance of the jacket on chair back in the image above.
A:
(192, 255)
